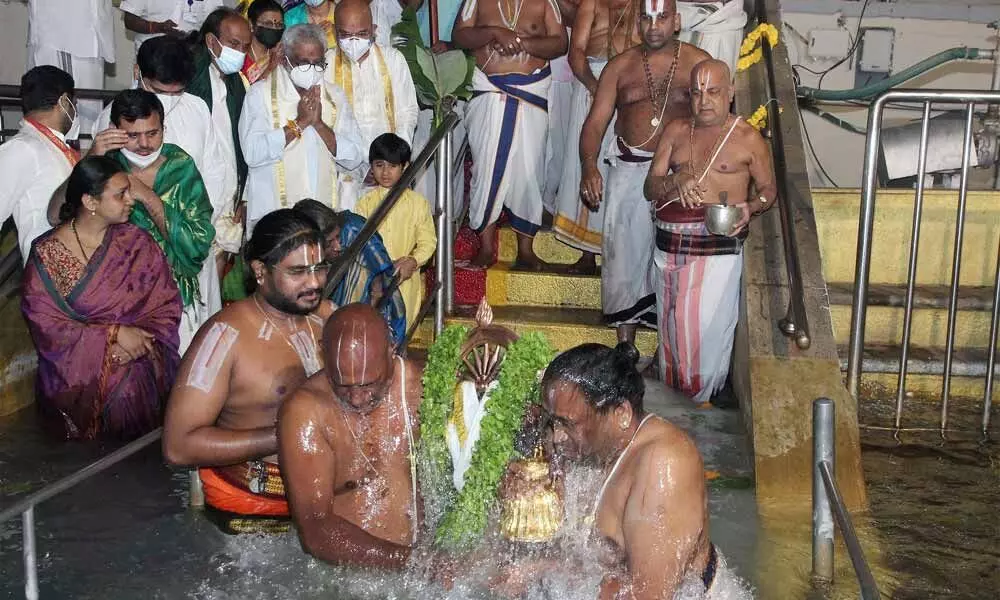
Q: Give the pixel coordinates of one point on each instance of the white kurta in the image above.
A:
(309, 170)
(368, 103)
(229, 236)
(31, 168)
(188, 124)
(385, 14)
(188, 16)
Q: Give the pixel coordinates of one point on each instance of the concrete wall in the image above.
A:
(840, 151)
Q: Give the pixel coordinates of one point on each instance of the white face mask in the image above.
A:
(305, 76)
(74, 121)
(139, 160)
(230, 61)
(354, 47)
(314, 3)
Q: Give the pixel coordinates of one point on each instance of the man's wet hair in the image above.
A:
(606, 376)
(259, 7)
(41, 88)
(90, 176)
(391, 148)
(278, 233)
(132, 105)
(325, 217)
(167, 60)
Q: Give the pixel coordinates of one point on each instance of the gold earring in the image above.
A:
(623, 424)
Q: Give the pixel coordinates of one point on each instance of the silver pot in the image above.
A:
(720, 218)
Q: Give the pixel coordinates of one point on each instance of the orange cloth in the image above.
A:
(222, 495)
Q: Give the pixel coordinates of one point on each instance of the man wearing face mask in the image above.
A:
(377, 82)
(267, 25)
(170, 203)
(148, 19)
(297, 130)
(36, 161)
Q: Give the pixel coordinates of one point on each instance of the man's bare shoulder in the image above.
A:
(308, 402)
(669, 448)
(677, 128)
(624, 61)
(749, 137)
(692, 54)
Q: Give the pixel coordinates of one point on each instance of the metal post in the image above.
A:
(862, 267)
(911, 277)
(197, 494)
(442, 233)
(449, 226)
(991, 362)
(30, 565)
(956, 265)
(822, 520)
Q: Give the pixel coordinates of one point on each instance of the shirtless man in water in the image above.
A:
(346, 442)
(652, 511)
(244, 362)
(648, 86)
(507, 118)
(712, 157)
(602, 30)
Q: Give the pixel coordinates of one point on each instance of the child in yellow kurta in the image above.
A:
(408, 229)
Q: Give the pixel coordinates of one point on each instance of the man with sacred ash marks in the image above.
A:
(647, 85)
(346, 442)
(507, 117)
(241, 366)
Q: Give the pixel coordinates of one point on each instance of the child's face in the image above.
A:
(386, 174)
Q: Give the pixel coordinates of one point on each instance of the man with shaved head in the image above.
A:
(346, 444)
(711, 158)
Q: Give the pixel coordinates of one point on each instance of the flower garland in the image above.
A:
(750, 52)
(464, 514)
(758, 120)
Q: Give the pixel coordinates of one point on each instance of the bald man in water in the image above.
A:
(711, 158)
(346, 442)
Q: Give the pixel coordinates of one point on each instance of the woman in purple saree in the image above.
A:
(103, 311)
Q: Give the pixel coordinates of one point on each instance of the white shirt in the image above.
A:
(385, 14)
(264, 146)
(31, 168)
(369, 95)
(188, 124)
(81, 28)
(223, 124)
(187, 17)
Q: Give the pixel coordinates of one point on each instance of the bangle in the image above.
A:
(296, 130)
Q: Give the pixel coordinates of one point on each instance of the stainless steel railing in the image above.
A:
(829, 508)
(864, 250)
(795, 323)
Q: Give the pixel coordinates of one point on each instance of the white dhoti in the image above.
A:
(697, 302)
(715, 27)
(559, 149)
(507, 121)
(575, 224)
(426, 184)
(627, 243)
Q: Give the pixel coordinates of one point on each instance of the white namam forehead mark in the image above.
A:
(655, 8)
(704, 79)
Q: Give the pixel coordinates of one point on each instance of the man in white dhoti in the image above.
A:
(602, 30)
(713, 158)
(715, 27)
(35, 162)
(78, 37)
(378, 84)
(297, 130)
(646, 85)
(507, 118)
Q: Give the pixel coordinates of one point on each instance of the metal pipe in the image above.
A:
(992, 360)
(449, 227)
(340, 267)
(85, 473)
(441, 215)
(869, 588)
(862, 265)
(911, 277)
(956, 265)
(29, 552)
(822, 518)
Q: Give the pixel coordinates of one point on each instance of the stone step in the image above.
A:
(977, 298)
(562, 327)
(506, 286)
(547, 247)
(925, 370)
(884, 325)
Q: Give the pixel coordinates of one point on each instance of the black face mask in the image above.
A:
(268, 36)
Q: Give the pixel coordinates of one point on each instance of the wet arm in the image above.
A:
(190, 434)
(664, 521)
(308, 464)
(599, 117)
(582, 25)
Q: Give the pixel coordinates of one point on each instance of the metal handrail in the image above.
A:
(829, 508)
(795, 324)
(866, 221)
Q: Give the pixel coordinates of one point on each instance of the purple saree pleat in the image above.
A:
(81, 392)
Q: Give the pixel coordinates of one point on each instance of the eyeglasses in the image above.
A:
(304, 270)
(320, 66)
